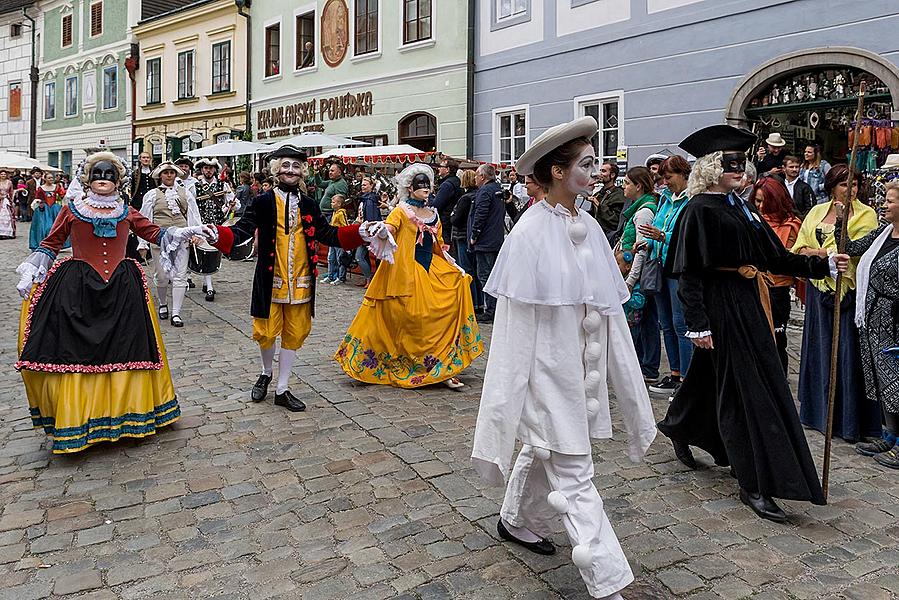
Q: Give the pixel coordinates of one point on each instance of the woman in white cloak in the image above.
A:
(559, 337)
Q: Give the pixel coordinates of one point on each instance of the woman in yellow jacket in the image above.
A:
(854, 417)
(416, 325)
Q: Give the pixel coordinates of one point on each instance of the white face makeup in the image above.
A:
(290, 171)
(583, 175)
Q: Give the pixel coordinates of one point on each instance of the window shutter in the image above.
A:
(67, 30)
(97, 19)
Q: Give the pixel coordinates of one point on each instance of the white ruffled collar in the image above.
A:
(90, 205)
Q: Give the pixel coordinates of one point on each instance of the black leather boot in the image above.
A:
(684, 454)
(763, 506)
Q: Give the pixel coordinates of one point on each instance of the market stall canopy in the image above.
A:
(312, 139)
(11, 160)
(229, 148)
(376, 154)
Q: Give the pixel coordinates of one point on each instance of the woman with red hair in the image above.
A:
(773, 202)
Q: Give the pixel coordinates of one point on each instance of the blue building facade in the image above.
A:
(653, 71)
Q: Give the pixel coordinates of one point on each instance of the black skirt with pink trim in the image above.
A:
(77, 323)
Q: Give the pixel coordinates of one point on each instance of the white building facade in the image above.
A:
(15, 75)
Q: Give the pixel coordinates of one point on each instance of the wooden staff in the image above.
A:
(841, 249)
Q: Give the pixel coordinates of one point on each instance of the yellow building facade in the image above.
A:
(191, 83)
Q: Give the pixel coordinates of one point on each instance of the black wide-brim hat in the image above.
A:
(717, 138)
(288, 151)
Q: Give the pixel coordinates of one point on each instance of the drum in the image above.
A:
(204, 259)
(242, 250)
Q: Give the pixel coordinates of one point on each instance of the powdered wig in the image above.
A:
(100, 156)
(404, 179)
(274, 166)
(706, 172)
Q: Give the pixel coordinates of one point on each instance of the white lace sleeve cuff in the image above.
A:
(380, 240)
(697, 334)
(833, 266)
(36, 265)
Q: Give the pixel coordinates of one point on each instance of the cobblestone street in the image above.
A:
(369, 495)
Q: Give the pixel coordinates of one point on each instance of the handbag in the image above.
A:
(651, 278)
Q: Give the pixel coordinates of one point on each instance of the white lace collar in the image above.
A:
(93, 206)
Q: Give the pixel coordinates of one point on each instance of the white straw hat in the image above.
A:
(775, 140)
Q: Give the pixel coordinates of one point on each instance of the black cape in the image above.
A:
(735, 402)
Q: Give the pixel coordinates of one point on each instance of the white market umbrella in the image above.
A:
(11, 160)
(228, 148)
(312, 139)
(376, 154)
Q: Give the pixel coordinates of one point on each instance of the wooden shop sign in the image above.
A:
(295, 118)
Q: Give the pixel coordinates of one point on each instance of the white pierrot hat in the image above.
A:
(776, 140)
(166, 166)
(552, 138)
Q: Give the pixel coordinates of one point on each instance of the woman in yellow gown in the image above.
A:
(416, 325)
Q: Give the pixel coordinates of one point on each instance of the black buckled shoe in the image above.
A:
(163, 312)
(544, 546)
(684, 454)
(177, 321)
(260, 388)
(290, 402)
(210, 295)
(763, 506)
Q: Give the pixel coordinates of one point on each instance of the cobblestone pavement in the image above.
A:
(369, 495)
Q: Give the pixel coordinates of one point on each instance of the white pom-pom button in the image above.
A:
(577, 231)
(585, 255)
(592, 407)
(542, 453)
(581, 556)
(592, 380)
(594, 351)
(592, 321)
(558, 502)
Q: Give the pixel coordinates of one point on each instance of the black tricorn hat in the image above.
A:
(288, 151)
(718, 138)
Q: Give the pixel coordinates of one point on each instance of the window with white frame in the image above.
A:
(366, 27)
(110, 87)
(71, 96)
(221, 67)
(506, 9)
(66, 31)
(305, 41)
(606, 112)
(154, 81)
(186, 74)
(416, 21)
(273, 50)
(510, 133)
(50, 100)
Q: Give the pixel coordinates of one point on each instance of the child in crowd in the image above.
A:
(336, 271)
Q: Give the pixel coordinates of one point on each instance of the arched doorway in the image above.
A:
(419, 130)
(811, 97)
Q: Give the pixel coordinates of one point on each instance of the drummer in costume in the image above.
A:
(170, 205)
(90, 351)
(283, 300)
(735, 402)
(416, 325)
(559, 336)
(216, 200)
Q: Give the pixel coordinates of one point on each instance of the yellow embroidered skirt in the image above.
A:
(421, 339)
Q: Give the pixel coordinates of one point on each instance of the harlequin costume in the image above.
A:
(283, 298)
(215, 201)
(416, 325)
(90, 351)
(559, 338)
(46, 206)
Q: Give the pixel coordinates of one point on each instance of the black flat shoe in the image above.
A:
(210, 296)
(684, 454)
(163, 312)
(290, 402)
(176, 321)
(260, 388)
(544, 546)
(878, 446)
(763, 506)
(190, 284)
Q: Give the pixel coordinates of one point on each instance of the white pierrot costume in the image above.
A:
(559, 337)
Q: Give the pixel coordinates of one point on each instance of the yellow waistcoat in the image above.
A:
(293, 280)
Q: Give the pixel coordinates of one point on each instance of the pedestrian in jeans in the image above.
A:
(369, 210)
(336, 272)
(486, 229)
(674, 172)
(459, 220)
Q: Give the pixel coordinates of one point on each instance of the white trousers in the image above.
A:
(162, 278)
(526, 505)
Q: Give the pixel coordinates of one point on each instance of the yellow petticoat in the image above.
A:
(415, 327)
(79, 409)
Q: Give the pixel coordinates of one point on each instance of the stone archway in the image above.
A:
(802, 60)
